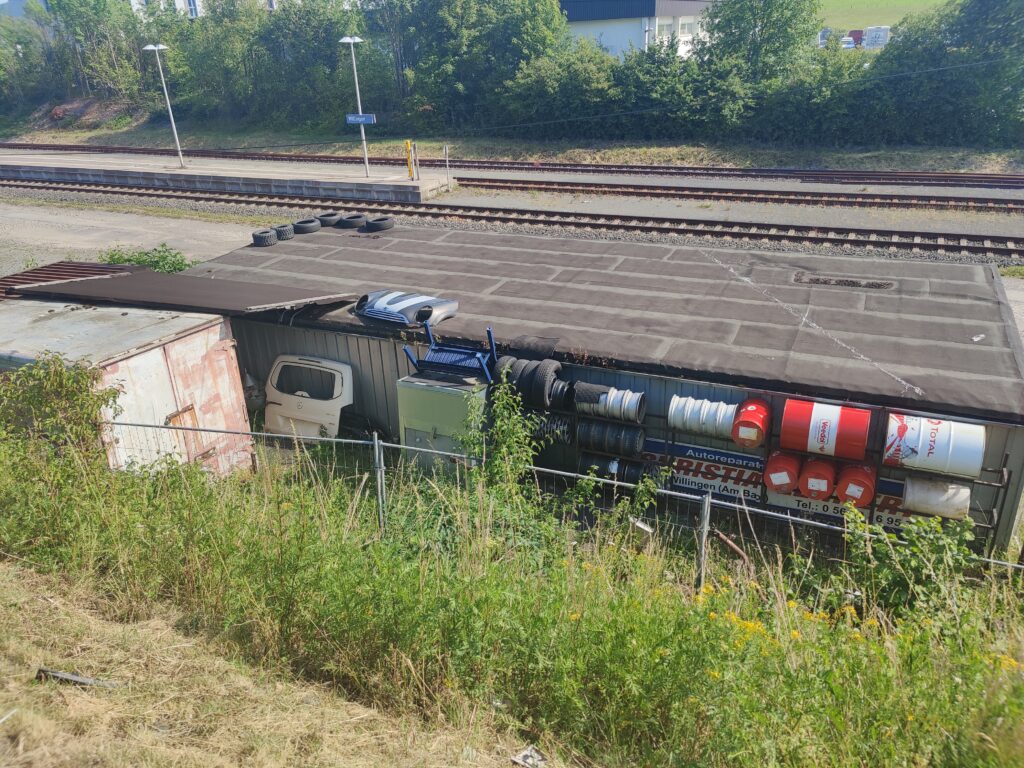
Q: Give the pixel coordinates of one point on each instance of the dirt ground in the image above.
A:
(31, 235)
(178, 701)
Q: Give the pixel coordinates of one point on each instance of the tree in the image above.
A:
(578, 77)
(762, 36)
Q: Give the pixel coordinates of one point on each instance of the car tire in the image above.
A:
(515, 372)
(329, 219)
(306, 226)
(264, 237)
(284, 231)
(503, 364)
(380, 224)
(352, 221)
(543, 380)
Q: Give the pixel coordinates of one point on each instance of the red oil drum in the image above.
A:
(825, 430)
(856, 484)
(817, 479)
(751, 423)
(782, 471)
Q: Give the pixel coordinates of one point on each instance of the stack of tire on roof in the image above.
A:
(823, 450)
(605, 423)
(263, 238)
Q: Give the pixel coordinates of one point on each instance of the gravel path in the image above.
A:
(203, 240)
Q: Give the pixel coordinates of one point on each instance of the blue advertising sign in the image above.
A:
(361, 119)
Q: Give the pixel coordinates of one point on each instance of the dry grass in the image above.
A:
(212, 136)
(180, 703)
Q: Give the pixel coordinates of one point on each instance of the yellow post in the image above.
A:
(408, 159)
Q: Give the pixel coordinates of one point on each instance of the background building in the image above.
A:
(618, 25)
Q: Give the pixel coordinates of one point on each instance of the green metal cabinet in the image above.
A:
(435, 410)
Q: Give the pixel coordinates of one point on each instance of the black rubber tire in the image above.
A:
(525, 381)
(264, 237)
(515, 372)
(380, 224)
(329, 219)
(503, 364)
(284, 231)
(351, 221)
(306, 226)
(543, 381)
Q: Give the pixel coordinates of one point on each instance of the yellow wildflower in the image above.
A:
(714, 674)
(574, 617)
(1007, 663)
(712, 615)
(791, 603)
(795, 635)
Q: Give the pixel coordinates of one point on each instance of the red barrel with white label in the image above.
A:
(782, 471)
(750, 425)
(825, 430)
(935, 445)
(817, 479)
(856, 484)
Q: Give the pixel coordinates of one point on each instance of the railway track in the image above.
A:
(823, 176)
(851, 199)
(997, 248)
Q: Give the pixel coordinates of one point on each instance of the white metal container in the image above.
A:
(937, 497)
(702, 417)
(935, 445)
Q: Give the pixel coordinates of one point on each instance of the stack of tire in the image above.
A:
(338, 219)
(537, 382)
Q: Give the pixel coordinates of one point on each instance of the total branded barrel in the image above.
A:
(935, 445)
(825, 430)
(782, 471)
(751, 423)
(856, 484)
(817, 479)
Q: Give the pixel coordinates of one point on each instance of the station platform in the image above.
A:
(341, 182)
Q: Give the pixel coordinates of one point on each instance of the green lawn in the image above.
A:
(843, 15)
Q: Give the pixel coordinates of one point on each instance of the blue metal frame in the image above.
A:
(450, 358)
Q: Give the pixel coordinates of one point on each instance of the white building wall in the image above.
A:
(617, 36)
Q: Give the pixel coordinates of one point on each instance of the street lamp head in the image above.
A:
(157, 47)
(351, 40)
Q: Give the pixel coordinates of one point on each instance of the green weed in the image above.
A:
(481, 595)
(163, 258)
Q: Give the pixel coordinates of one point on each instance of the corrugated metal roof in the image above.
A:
(61, 270)
(87, 333)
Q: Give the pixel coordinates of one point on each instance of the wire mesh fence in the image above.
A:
(676, 514)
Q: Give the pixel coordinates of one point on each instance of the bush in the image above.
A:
(163, 258)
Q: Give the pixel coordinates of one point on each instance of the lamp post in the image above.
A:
(174, 129)
(359, 102)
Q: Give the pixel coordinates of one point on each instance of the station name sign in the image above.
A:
(361, 119)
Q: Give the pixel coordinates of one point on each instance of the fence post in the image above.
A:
(378, 470)
(702, 539)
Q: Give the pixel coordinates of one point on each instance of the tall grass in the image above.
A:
(481, 595)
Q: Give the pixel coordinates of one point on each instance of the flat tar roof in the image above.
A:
(87, 333)
(915, 334)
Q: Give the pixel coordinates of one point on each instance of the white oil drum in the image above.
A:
(935, 445)
(936, 497)
(702, 417)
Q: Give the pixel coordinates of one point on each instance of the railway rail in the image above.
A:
(998, 248)
(821, 176)
(791, 197)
